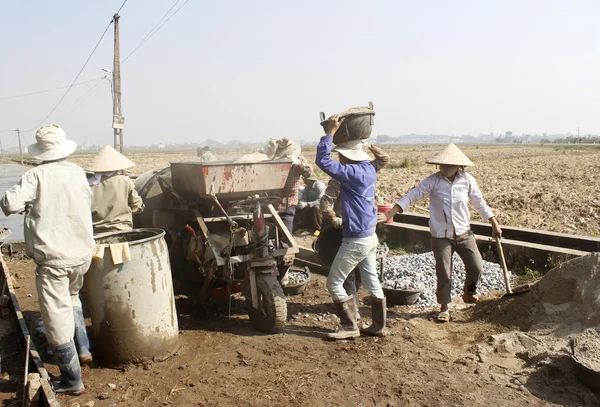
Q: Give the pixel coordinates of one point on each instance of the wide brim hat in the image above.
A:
(353, 150)
(52, 144)
(108, 160)
(312, 177)
(450, 155)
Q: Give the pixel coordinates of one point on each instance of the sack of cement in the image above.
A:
(282, 149)
(358, 124)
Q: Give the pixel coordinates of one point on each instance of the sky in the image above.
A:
(253, 70)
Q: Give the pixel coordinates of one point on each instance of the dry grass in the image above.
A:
(542, 187)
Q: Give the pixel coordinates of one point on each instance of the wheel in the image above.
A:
(271, 314)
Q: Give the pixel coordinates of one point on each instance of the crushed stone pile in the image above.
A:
(296, 277)
(417, 271)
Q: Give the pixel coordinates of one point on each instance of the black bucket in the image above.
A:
(355, 126)
(328, 244)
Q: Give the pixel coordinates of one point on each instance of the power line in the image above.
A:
(153, 31)
(120, 8)
(77, 77)
(86, 95)
(47, 90)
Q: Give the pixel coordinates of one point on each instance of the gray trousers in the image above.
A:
(466, 247)
(58, 293)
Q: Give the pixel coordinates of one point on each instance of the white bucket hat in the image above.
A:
(52, 144)
(353, 150)
(450, 155)
(108, 160)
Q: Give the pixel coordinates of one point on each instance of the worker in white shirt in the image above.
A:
(56, 200)
(450, 190)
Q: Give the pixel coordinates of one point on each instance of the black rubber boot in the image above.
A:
(352, 285)
(82, 342)
(347, 312)
(70, 370)
(379, 316)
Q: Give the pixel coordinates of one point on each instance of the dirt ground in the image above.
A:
(224, 362)
(547, 187)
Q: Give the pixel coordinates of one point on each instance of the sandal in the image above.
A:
(443, 316)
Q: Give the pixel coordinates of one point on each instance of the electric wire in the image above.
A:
(154, 30)
(47, 90)
(76, 77)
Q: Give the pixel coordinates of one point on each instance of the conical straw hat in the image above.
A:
(108, 160)
(450, 155)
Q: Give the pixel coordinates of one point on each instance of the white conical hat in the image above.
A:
(450, 155)
(108, 160)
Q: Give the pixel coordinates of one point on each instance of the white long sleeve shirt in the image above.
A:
(449, 203)
(56, 199)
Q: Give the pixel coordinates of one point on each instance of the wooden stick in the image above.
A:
(504, 268)
(26, 369)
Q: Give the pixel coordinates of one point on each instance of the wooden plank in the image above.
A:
(281, 226)
(564, 240)
(22, 332)
(506, 242)
(211, 243)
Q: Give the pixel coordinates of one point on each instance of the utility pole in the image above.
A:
(19, 137)
(118, 119)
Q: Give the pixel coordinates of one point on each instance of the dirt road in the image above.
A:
(224, 362)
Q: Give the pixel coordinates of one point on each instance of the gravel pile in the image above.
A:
(417, 271)
(382, 249)
(296, 277)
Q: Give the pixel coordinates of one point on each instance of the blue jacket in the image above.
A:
(357, 191)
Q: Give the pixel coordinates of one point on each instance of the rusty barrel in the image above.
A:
(130, 295)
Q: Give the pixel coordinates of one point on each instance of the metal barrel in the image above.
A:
(132, 303)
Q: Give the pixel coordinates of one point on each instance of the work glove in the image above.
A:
(337, 223)
(302, 205)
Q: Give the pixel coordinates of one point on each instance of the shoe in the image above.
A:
(443, 316)
(82, 342)
(300, 232)
(347, 312)
(470, 298)
(379, 317)
(70, 370)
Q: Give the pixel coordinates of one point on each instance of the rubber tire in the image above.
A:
(271, 297)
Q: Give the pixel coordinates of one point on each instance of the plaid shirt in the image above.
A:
(290, 190)
(332, 192)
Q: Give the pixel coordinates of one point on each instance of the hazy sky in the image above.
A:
(251, 70)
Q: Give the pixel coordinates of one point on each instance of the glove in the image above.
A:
(337, 223)
(302, 205)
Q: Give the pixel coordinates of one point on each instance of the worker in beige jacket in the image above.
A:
(114, 198)
(55, 199)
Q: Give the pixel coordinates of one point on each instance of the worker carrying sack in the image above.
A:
(358, 124)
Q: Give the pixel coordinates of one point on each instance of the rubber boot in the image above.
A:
(378, 314)
(82, 341)
(347, 312)
(352, 285)
(70, 370)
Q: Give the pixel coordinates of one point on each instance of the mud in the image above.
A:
(222, 361)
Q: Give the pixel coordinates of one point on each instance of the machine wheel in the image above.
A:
(271, 314)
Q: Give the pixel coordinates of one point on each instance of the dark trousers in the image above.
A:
(466, 247)
(353, 284)
(310, 218)
(287, 217)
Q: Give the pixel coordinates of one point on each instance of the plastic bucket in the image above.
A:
(385, 208)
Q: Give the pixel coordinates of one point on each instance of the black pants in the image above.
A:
(310, 218)
(287, 217)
